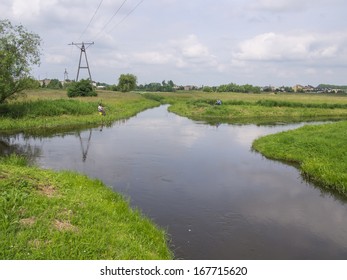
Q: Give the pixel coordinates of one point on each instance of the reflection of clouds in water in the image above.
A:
(300, 207)
(246, 134)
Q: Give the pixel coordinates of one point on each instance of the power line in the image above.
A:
(109, 21)
(97, 9)
(138, 4)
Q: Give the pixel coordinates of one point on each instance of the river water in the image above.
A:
(216, 198)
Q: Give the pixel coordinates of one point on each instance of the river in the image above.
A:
(216, 197)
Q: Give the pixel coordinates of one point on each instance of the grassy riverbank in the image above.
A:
(52, 110)
(258, 108)
(320, 151)
(63, 215)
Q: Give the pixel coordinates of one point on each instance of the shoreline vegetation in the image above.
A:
(100, 223)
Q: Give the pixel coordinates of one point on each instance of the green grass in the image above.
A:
(320, 151)
(64, 215)
(46, 108)
(52, 110)
(259, 108)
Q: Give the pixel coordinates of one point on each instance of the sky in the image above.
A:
(195, 42)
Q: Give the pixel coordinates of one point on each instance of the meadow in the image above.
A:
(52, 110)
(254, 108)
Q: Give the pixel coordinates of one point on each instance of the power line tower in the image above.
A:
(83, 48)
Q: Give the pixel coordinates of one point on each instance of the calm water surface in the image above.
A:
(216, 198)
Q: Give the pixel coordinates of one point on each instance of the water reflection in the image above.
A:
(216, 198)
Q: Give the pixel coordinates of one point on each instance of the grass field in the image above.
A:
(52, 110)
(256, 108)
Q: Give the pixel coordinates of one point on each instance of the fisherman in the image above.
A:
(219, 102)
(101, 110)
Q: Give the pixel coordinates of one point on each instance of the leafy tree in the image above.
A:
(55, 84)
(81, 88)
(19, 51)
(127, 82)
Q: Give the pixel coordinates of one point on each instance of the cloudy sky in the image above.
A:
(200, 42)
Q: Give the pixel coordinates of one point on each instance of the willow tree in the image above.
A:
(19, 51)
(127, 82)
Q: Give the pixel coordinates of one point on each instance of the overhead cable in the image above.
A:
(97, 9)
(111, 18)
(138, 4)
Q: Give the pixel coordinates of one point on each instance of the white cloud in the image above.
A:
(26, 9)
(55, 58)
(153, 57)
(292, 47)
(290, 6)
(193, 43)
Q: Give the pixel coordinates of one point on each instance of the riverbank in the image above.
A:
(52, 110)
(64, 215)
(257, 108)
(319, 150)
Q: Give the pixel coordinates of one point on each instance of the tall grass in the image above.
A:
(50, 110)
(46, 108)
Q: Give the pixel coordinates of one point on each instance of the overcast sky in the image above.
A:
(200, 42)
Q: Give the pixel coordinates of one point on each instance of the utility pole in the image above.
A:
(83, 48)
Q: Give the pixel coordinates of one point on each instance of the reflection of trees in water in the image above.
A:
(9, 146)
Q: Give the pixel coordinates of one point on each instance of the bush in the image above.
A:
(81, 88)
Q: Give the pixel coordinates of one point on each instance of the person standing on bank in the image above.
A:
(101, 110)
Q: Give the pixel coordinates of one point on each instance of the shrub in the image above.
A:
(81, 88)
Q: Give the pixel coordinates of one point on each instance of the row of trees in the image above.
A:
(233, 88)
(164, 86)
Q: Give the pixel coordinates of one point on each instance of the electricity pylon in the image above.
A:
(83, 48)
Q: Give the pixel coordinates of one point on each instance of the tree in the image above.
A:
(19, 51)
(55, 84)
(127, 82)
(81, 88)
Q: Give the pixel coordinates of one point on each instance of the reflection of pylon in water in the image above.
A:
(85, 150)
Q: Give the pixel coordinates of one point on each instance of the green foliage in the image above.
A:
(44, 108)
(81, 88)
(237, 88)
(127, 82)
(207, 89)
(155, 87)
(19, 50)
(55, 84)
(153, 96)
